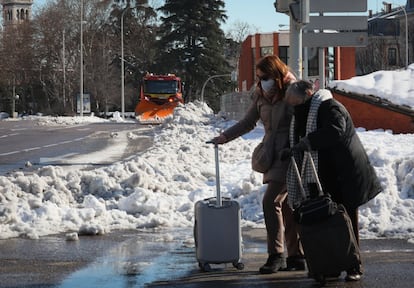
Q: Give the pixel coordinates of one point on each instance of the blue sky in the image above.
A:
(261, 13)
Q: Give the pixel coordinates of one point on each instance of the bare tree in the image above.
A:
(372, 57)
(16, 65)
(239, 30)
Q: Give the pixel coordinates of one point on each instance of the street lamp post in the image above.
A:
(406, 36)
(122, 65)
(81, 62)
(64, 69)
(14, 98)
(205, 83)
(145, 5)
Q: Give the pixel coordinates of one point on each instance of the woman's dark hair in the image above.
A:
(299, 88)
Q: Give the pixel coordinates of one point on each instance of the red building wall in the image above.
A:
(367, 114)
(345, 63)
(246, 63)
(371, 116)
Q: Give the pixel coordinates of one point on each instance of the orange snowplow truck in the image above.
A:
(160, 94)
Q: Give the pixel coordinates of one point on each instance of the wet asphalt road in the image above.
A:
(167, 259)
(26, 141)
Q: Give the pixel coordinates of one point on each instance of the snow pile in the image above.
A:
(159, 187)
(394, 86)
(70, 121)
(392, 212)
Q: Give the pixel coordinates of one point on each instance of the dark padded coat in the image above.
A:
(344, 168)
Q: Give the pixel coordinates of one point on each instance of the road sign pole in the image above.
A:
(321, 56)
(299, 16)
(295, 48)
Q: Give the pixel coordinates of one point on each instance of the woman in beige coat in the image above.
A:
(273, 78)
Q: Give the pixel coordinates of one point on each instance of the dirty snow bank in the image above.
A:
(159, 187)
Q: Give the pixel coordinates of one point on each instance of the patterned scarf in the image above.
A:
(294, 194)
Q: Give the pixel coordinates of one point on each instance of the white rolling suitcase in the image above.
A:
(217, 230)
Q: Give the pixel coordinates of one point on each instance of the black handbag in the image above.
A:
(316, 209)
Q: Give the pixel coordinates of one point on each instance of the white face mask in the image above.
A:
(267, 84)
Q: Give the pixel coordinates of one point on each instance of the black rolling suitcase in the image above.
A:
(217, 229)
(329, 243)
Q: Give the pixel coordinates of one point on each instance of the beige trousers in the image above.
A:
(280, 225)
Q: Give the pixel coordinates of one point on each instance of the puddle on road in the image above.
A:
(134, 263)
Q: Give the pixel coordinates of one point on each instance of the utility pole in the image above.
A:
(295, 48)
(81, 62)
(63, 69)
(298, 10)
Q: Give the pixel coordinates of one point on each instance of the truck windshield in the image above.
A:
(160, 86)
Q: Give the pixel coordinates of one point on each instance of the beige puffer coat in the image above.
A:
(260, 109)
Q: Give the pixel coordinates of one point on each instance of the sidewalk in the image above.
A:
(387, 263)
(161, 258)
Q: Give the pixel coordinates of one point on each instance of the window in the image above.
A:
(160, 87)
(313, 65)
(392, 56)
(264, 51)
(284, 54)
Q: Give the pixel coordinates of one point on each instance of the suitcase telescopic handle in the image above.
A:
(219, 201)
(298, 177)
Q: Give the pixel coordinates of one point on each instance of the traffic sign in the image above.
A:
(339, 30)
(338, 6)
(341, 23)
(335, 39)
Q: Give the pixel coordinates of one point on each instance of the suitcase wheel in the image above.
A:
(238, 265)
(204, 267)
(321, 279)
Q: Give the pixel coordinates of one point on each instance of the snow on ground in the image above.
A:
(394, 86)
(159, 187)
(76, 120)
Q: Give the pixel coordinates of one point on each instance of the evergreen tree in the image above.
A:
(192, 46)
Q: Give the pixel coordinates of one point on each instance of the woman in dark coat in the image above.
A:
(342, 162)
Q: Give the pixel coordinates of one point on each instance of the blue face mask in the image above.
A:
(267, 84)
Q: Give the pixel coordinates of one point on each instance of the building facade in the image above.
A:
(16, 11)
(339, 61)
(390, 43)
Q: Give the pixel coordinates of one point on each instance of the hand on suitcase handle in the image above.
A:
(221, 139)
(302, 145)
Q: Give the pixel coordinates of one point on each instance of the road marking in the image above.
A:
(9, 135)
(10, 153)
(18, 129)
(45, 146)
(31, 149)
(389, 251)
(50, 145)
(55, 159)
